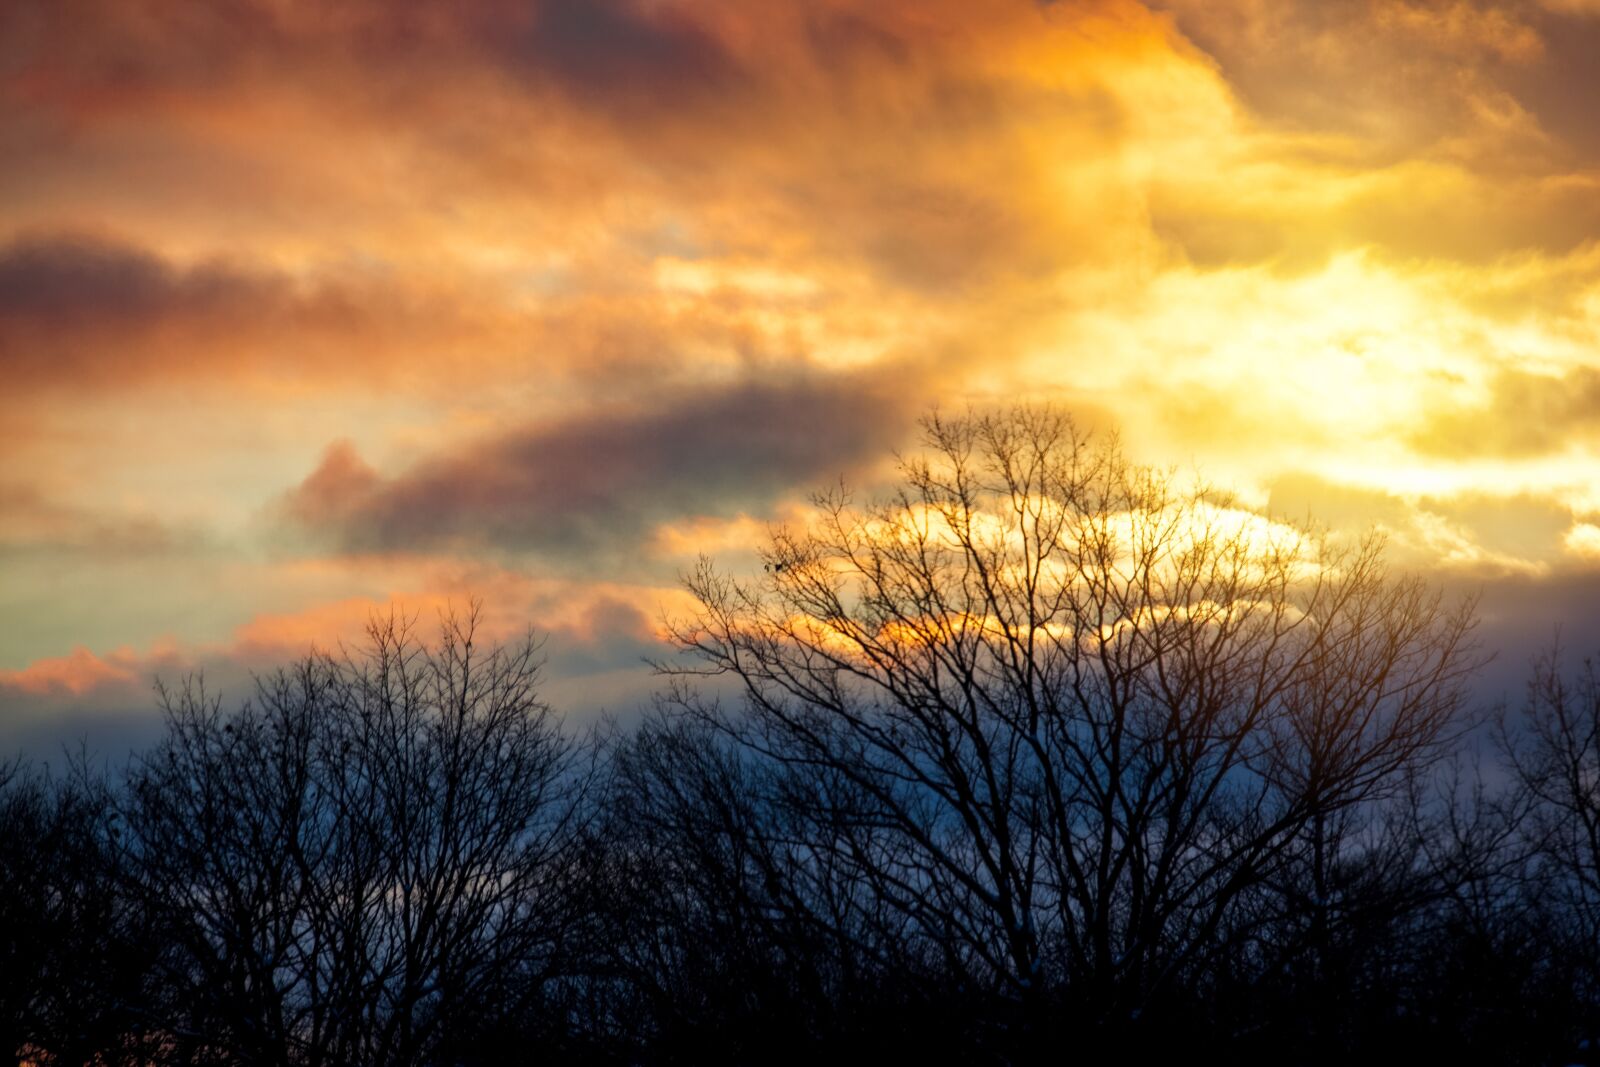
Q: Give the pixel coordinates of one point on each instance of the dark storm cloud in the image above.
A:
(601, 480)
(1527, 415)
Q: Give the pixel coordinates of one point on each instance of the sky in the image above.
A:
(309, 310)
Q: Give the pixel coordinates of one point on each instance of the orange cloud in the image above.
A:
(77, 673)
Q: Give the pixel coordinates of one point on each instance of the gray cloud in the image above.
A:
(619, 55)
(600, 480)
(88, 310)
(92, 313)
(71, 304)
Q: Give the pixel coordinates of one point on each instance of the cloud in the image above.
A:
(77, 673)
(1404, 73)
(1526, 414)
(95, 313)
(621, 55)
(335, 491)
(1298, 497)
(1477, 532)
(600, 481)
(1499, 86)
(32, 520)
(613, 635)
(69, 303)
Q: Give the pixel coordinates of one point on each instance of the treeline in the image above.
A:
(1038, 758)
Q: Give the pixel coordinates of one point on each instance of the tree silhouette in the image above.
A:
(73, 958)
(365, 863)
(1094, 722)
(1554, 764)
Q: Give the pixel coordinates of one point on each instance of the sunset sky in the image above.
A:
(307, 309)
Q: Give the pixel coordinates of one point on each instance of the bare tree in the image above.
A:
(73, 960)
(1552, 750)
(1091, 717)
(365, 863)
(728, 911)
